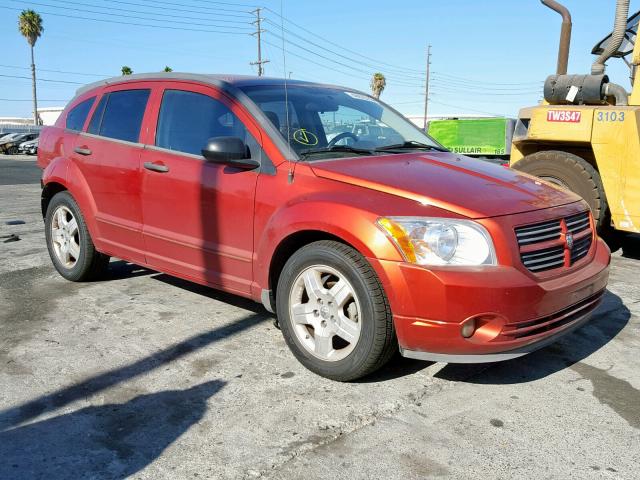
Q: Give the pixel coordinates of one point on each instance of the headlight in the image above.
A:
(440, 241)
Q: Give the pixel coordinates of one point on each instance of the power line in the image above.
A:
(29, 100)
(170, 15)
(307, 41)
(163, 5)
(42, 79)
(341, 46)
(476, 82)
(120, 15)
(57, 71)
(365, 72)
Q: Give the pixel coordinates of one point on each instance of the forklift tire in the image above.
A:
(573, 173)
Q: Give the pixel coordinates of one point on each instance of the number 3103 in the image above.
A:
(611, 116)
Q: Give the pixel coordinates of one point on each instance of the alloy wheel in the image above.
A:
(65, 237)
(325, 313)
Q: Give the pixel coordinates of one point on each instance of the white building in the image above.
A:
(48, 116)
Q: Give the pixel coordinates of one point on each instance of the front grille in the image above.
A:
(547, 246)
(531, 328)
(545, 259)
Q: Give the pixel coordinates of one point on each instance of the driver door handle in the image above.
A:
(82, 150)
(156, 167)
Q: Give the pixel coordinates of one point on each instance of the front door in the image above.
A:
(198, 215)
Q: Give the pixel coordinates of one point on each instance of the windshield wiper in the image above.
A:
(336, 148)
(411, 145)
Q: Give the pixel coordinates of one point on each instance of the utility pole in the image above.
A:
(258, 33)
(426, 88)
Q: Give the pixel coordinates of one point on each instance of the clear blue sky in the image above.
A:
(509, 46)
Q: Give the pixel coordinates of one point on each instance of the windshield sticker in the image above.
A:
(358, 96)
(305, 137)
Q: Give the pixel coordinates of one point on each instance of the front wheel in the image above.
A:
(333, 312)
(70, 246)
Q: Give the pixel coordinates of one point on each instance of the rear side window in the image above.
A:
(119, 115)
(188, 119)
(78, 114)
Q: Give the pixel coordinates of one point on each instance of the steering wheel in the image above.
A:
(341, 136)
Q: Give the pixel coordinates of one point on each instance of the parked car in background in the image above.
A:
(29, 148)
(391, 242)
(9, 145)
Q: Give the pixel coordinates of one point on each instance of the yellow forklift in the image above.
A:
(585, 136)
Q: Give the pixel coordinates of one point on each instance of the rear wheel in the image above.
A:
(333, 312)
(70, 246)
(573, 173)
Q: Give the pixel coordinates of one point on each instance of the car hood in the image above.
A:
(466, 186)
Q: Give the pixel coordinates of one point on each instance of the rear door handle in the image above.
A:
(82, 150)
(156, 167)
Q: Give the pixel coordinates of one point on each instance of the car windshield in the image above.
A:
(329, 122)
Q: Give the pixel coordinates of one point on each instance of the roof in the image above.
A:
(219, 80)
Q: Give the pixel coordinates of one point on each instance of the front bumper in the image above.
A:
(515, 312)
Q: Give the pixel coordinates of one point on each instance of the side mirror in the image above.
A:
(230, 151)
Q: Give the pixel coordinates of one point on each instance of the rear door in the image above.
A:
(108, 154)
(198, 215)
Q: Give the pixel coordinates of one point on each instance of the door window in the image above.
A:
(78, 114)
(119, 115)
(188, 119)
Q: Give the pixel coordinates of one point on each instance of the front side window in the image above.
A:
(78, 114)
(325, 121)
(119, 115)
(188, 119)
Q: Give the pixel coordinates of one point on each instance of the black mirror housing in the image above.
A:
(230, 151)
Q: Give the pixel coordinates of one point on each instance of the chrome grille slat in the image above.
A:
(549, 236)
(550, 258)
(547, 266)
(556, 257)
(539, 253)
(534, 232)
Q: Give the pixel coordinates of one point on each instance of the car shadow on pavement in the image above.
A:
(121, 269)
(607, 322)
(81, 390)
(212, 293)
(111, 441)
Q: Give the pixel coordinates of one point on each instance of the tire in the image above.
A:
(70, 247)
(573, 173)
(360, 310)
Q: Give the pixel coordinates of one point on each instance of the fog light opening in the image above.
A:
(468, 328)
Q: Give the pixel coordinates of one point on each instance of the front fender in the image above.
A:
(351, 224)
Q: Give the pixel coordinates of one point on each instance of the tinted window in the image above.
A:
(78, 114)
(123, 114)
(187, 120)
(94, 124)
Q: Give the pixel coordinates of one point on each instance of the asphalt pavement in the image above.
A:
(142, 375)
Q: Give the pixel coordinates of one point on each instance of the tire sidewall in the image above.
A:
(361, 353)
(86, 247)
(550, 164)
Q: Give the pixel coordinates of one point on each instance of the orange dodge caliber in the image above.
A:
(362, 233)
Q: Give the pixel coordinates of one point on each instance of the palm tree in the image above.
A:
(30, 26)
(168, 69)
(378, 82)
(126, 70)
